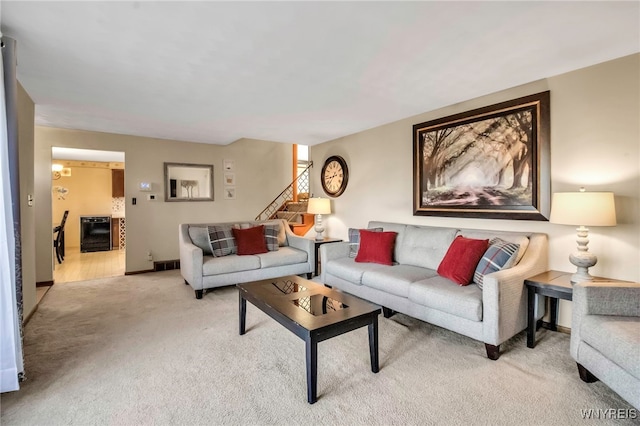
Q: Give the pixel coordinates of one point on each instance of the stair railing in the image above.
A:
(299, 185)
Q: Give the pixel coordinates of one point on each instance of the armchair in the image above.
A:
(605, 336)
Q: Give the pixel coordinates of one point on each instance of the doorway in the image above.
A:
(89, 185)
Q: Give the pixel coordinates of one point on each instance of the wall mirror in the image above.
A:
(188, 182)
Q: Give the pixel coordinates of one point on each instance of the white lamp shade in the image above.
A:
(319, 206)
(583, 209)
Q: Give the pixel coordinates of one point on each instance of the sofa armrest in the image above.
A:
(332, 251)
(304, 244)
(191, 258)
(601, 298)
(504, 296)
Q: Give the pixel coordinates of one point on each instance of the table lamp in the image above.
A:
(583, 209)
(319, 206)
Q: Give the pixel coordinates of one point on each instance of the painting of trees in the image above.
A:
(486, 161)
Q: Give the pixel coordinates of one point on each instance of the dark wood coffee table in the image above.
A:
(312, 312)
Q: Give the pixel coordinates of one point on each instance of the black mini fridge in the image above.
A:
(95, 233)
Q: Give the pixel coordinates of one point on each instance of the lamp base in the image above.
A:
(319, 228)
(583, 260)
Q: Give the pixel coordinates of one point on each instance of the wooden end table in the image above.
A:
(554, 284)
(317, 244)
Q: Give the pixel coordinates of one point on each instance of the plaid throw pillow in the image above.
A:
(221, 240)
(271, 236)
(354, 240)
(500, 255)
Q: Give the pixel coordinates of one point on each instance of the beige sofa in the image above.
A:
(412, 286)
(201, 270)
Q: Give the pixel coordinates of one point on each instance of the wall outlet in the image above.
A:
(149, 256)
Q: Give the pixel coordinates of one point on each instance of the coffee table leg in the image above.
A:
(243, 312)
(312, 369)
(373, 344)
(531, 324)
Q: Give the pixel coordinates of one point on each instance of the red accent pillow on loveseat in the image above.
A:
(250, 240)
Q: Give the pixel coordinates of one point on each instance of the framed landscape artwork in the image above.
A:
(491, 162)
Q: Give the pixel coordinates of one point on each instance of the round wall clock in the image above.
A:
(334, 176)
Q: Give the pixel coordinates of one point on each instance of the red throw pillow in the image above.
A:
(461, 259)
(250, 240)
(376, 247)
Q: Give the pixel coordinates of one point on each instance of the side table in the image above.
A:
(553, 284)
(317, 244)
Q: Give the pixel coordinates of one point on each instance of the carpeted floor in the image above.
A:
(142, 350)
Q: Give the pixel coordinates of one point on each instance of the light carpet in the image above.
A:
(141, 349)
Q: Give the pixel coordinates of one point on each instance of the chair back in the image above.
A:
(64, 219)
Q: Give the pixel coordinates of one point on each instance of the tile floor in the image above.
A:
(87, 266)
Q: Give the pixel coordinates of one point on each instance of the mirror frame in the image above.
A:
(167, 184)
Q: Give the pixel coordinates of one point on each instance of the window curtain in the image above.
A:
(11, 361)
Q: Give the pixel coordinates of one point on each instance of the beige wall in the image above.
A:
(595, 142)
(263, 169)
(89, 195)
(26, 111)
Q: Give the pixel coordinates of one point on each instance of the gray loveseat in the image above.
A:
(605, 336)
(412, 286)
(200, 269)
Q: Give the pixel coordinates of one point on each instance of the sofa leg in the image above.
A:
(493, 351)
(186, 282)
(586, 375)
(309, 275)
(387, 313)
(198, 294)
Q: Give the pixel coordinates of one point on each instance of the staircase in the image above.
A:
(291, 205)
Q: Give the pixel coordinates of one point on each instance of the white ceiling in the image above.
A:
(295, 72)
(59, 153)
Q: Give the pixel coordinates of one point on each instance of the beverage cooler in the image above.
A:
(95, 233)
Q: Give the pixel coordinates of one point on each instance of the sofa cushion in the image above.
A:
(354, 240)
(500, 255)
(200, 238)
(616, 337)
(347, 269)
(376, 247)
(396, 279)
(284, 256)
(462, 258)
(227, 264)
(424, 246)
(442, 294)
(250, 240)
(222, 240)
(271, 236)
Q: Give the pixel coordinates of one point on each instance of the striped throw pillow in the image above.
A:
(500, 255)
(221, 240)
(271, 233)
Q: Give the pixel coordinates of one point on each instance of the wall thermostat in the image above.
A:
(145, 186)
